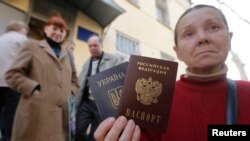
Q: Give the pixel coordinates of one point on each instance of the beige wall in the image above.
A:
(148, 7)
(141, 24)
(20, 4)
(176, 8)
(142, 27)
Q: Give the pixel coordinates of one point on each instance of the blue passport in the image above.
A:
(106, 88)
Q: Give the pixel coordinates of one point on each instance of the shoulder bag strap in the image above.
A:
(232, 102)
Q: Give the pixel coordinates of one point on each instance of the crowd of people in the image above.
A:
(38, 77)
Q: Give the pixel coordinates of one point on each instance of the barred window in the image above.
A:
(162, 11)
(165, 56)
(127, 45)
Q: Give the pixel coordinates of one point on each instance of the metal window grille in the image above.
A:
(162, 11)
(127, 45)
(165, 56)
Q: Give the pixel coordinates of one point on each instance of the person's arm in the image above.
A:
(75, 84)
(117, 60)
(74, 81)
(16, 76)
(121, 129)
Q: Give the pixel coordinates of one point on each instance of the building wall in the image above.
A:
(13, 13)
(19, 4)
(140, 23)
(176, 8)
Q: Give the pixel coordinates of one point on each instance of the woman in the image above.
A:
(202, 41)
(43, 74)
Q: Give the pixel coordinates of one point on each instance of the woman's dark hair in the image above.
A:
(195, 8)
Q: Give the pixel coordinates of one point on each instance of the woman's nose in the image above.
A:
(202, 38)
(58, 32)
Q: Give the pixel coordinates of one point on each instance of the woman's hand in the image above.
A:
(121, 129)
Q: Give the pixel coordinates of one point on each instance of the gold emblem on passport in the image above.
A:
(115, 96)
(148, 90)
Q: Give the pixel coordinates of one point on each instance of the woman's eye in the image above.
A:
(188, 34)
(213, 27)
(62, 30)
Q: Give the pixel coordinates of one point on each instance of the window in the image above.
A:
(162, 12)
(165, 56)
(127, 45)
(83, 34)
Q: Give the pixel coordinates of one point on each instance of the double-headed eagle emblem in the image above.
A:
(148, 90)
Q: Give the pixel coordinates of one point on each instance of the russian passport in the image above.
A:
(106, 88)
(148, 91)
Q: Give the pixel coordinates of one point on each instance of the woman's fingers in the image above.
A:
(103, 129)
(137, 134)
(120, 129)
(117, 129)
(131, 132)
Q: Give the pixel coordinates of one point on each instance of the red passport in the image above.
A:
(148, 91)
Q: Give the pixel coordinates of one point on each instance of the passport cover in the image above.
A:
(148, 91)
(106, 88)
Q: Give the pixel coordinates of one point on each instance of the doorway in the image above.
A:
(36, 28)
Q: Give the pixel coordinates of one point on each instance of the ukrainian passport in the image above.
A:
(148, 91)
(106, 88)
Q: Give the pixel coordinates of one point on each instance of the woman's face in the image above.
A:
(55, 33)
(203, 40)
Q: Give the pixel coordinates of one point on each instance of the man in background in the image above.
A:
(10, 43)
(87, 112)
